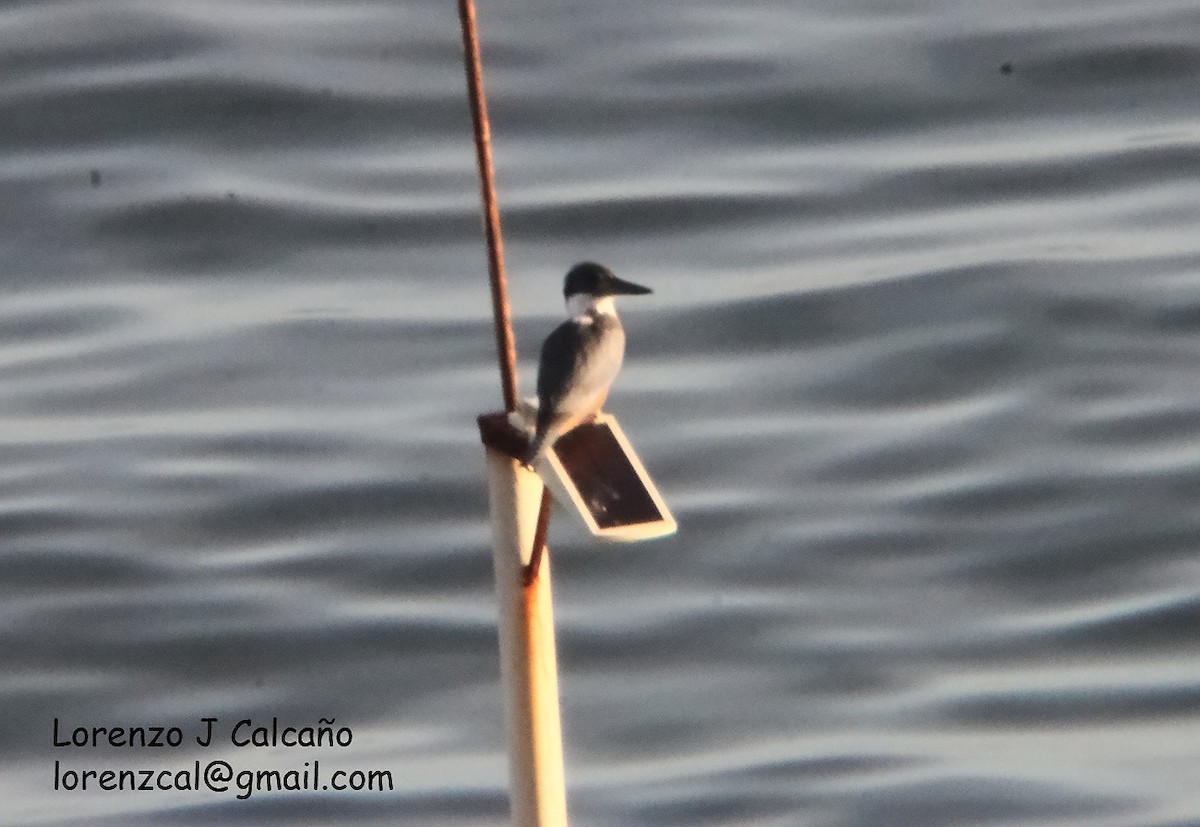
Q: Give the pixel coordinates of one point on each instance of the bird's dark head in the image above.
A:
(595, 280)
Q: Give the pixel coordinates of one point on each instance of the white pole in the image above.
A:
(528, 666)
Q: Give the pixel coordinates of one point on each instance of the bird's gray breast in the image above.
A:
(580, 359)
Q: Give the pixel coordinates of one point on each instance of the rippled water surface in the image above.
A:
(920, 380)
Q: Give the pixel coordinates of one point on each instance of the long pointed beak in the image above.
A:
(620, 287)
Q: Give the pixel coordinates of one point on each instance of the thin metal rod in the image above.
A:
(505, 349)
(530, 573)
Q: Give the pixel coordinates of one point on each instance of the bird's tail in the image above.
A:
(537, 446)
